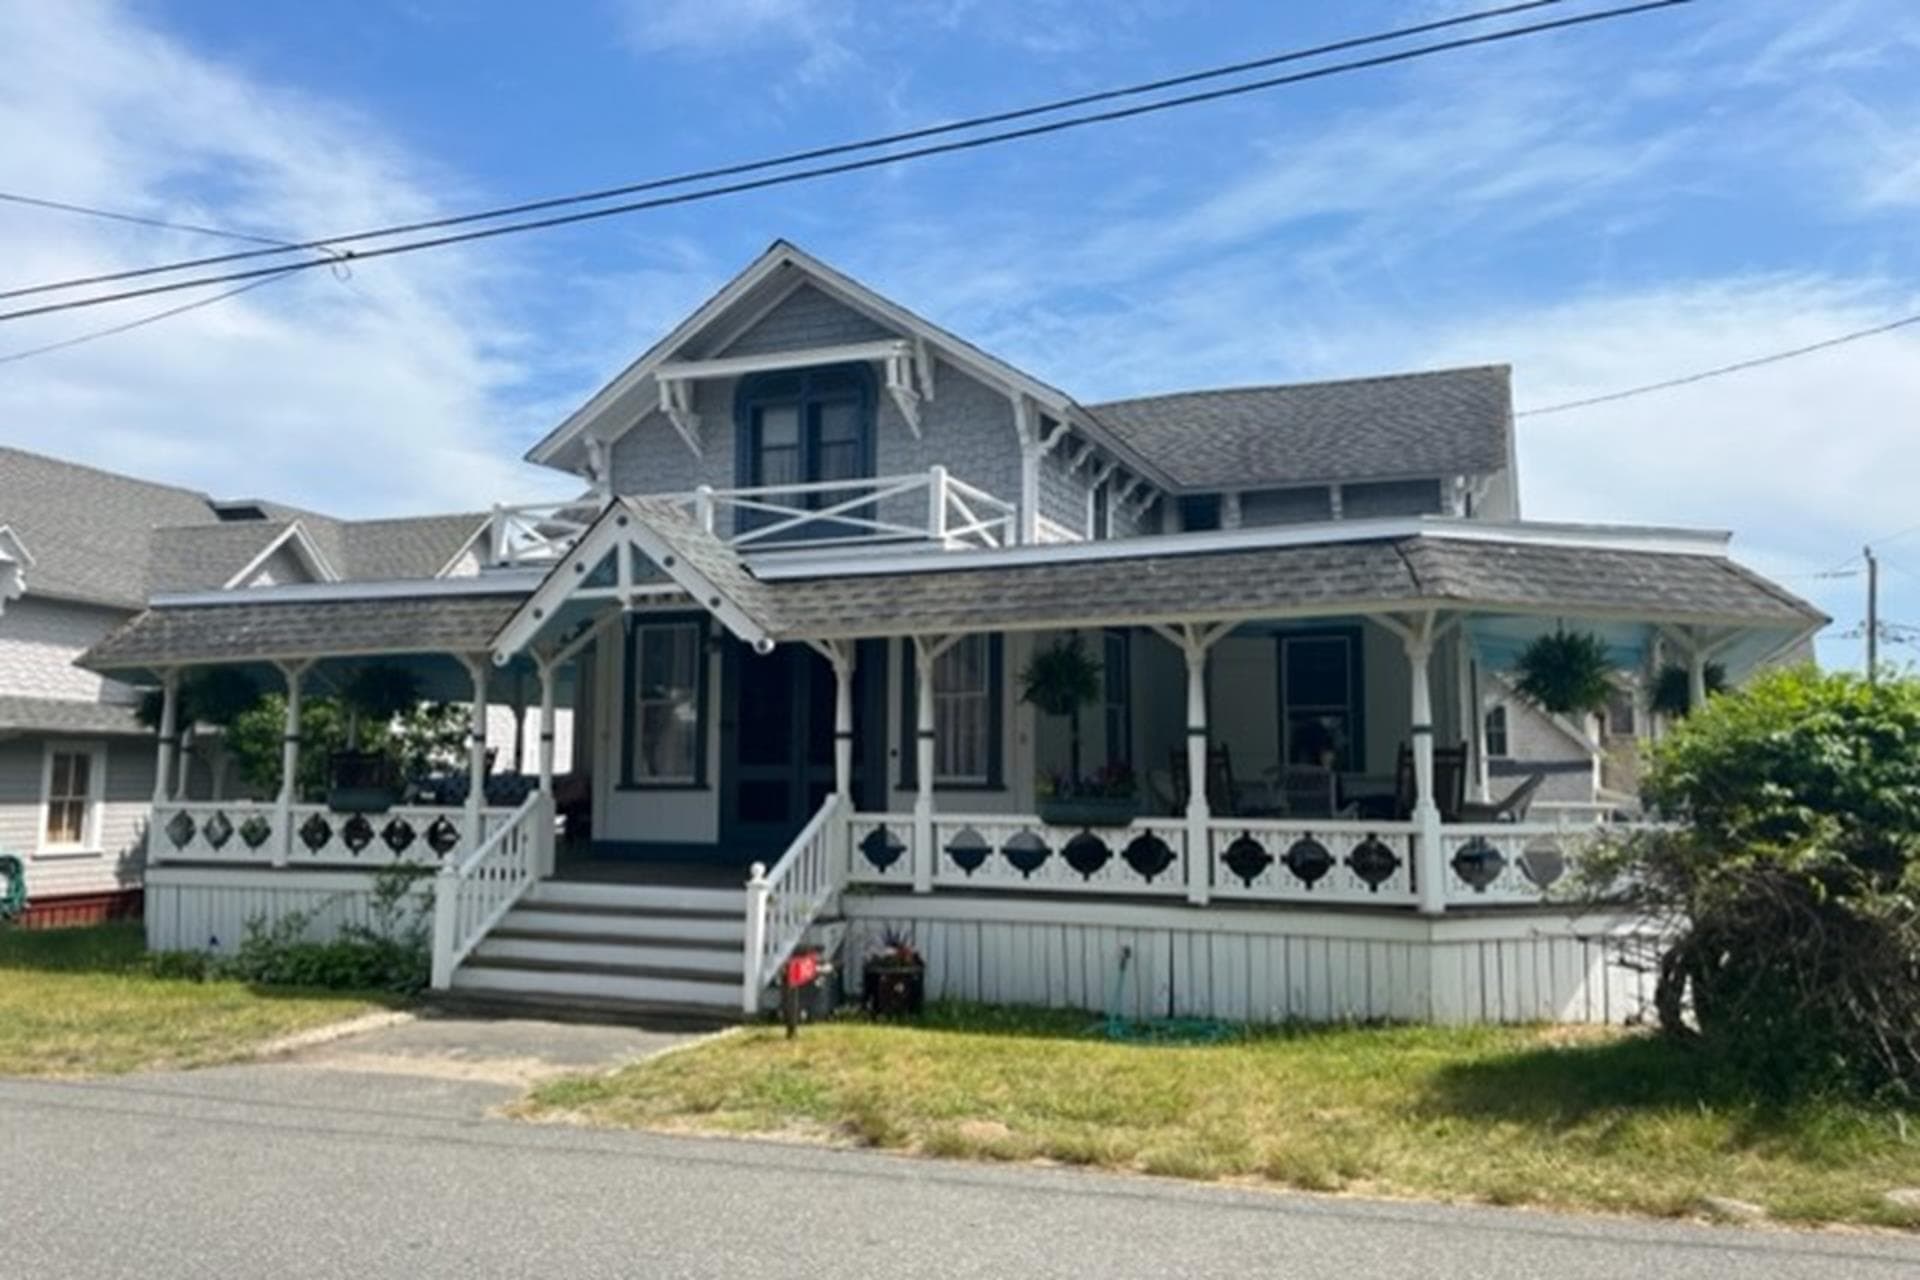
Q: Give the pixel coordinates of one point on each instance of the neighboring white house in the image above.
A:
(823, 538)
(81, 551)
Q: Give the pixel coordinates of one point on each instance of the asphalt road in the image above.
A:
(310, 1170)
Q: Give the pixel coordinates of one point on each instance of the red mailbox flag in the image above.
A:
(802, 968)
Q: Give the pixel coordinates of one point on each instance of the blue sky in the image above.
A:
(1599, 208)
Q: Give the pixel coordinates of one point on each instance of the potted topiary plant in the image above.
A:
(1565, 672)
(894, 979)
(1060, 680)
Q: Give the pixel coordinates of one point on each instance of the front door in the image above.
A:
(776, 744)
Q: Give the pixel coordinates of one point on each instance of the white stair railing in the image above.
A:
(473, 893)
(781, 903)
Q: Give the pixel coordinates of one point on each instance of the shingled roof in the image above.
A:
(88, 529)
(1448, 422)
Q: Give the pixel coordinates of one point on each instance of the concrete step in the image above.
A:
(637, 986)
(661, 926)
(637, 897)
(599, 950)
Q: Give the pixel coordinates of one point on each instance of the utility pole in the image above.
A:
(1873, 613)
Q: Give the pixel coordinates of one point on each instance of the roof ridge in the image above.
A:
(121, 476)
(1243, 388)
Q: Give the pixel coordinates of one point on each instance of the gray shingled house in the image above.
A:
(81, 551)
(822, 543)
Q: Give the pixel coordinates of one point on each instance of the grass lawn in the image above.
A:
(1558, 1117)
(80, 1002)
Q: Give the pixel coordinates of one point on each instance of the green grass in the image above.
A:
(1542, 1116)
(84, 1002)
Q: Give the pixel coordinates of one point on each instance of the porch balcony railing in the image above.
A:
(928, 507)
(1308, 862)
(261, 833)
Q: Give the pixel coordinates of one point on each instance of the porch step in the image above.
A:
(630, 926)
(642, 949)
(633, 985)
(569, 950)
(637, 897)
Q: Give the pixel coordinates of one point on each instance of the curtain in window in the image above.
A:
(666, 703)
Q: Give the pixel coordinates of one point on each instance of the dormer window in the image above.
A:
(804, 427)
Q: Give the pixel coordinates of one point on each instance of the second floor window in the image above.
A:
(1496, 733)
(801, 428)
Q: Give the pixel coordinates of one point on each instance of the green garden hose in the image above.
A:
(13, 898)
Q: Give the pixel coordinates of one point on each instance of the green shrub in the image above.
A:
(1791, 886)
(393, 952)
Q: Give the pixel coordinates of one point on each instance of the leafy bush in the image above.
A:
(1792, 885)
(390, 953)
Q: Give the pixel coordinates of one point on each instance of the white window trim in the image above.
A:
(90, 842)
(946, 700)
(1506, 731)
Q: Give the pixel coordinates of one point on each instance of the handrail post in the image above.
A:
(703, 506)
(757, 894)
(937, 502)
(446, 917)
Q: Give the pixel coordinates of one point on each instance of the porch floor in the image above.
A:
(586, 869)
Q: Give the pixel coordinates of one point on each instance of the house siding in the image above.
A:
(1536, 743)
(807, 318)
(40, 638)
(116, 863)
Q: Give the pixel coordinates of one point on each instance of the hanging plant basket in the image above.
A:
(1565, 672)
(1672, 693)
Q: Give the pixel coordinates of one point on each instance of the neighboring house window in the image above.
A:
(806, 427)
(73, 783)
(1620, 714)
(967, 681)
(1496, 733)
(1200, 511)
(664, 731)
(1117, 693)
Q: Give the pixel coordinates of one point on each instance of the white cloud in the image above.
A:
(384, 393)
(714, 28)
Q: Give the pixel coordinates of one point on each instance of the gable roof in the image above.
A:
(207, 557)
(89, 529)
(1448, 422)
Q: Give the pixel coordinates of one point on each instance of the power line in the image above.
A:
(1737, 367)
(797, 157)
(112, 215)
(851, 166)
(169, 313)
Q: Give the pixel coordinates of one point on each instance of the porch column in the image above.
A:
(547, 673)
(476, 751)
(519, 722)
(169, 712)
(1696, 678)
(843, 660)
(1426, 813)
(183, 759)
(925, 650)
(291, 672)
(1199, 812)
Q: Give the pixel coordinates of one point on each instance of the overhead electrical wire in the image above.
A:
(141, 220)
(771, 162)
(851, 166)
(143, 321)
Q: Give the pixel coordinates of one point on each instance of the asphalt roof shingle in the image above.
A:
(67, 715)
(1447, 422)
(88, 530)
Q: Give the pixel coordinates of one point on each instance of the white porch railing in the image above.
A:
(928, 506)
(782, 902)
(1307, 861)
(472, 893)
(256, 832)
(535, 534)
